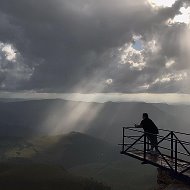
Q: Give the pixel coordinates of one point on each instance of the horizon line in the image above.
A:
(167, 98)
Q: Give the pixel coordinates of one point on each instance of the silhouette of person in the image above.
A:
(151, 131)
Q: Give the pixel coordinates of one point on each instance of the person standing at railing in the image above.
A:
(151, 132)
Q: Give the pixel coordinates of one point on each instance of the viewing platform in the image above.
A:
(173, 152)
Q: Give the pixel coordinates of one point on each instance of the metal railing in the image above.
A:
(173, 153)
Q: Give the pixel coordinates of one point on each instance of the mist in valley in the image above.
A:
(83, 137)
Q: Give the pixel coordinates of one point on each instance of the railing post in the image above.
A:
(123, 145)
(175, 155)
(144, 146)
(148, 144)
(172, 145)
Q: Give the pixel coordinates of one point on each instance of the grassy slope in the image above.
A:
(120, 175)
(69, 150)
(43, 177)
(84, 155)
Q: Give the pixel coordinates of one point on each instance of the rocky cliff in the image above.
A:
(166, 182)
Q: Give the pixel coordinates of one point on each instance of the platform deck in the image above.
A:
(159, 161)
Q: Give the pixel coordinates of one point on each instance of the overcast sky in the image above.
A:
(92, 46)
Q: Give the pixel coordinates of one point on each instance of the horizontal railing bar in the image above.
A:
(132, 136)
(182, 145)
(184, 142)
(182, 153)
(169, 149)
(122, 144)
(126, 144)
(177, 159)
(147, 143)
(159, 136)
(175, 132)
(166, 130)
(150, 144)
(135, 129)
(138, 149)
(168, 157)
(140, 140)
(135, 142)
(168, 139)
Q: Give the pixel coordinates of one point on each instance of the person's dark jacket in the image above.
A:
(149, 126)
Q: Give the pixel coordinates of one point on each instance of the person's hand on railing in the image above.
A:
(137, 126)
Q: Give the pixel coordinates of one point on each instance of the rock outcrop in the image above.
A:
(166, 182)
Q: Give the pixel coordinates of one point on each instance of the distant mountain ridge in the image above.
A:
(102, 120)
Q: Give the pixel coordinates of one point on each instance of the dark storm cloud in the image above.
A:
(73, 45)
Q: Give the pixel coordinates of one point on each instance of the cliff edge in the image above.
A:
(166, 182)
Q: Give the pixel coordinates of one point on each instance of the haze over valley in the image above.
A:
(82, 137)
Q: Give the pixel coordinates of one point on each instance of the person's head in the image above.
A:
(145, 115)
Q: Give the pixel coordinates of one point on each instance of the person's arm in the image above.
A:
(139, 126)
